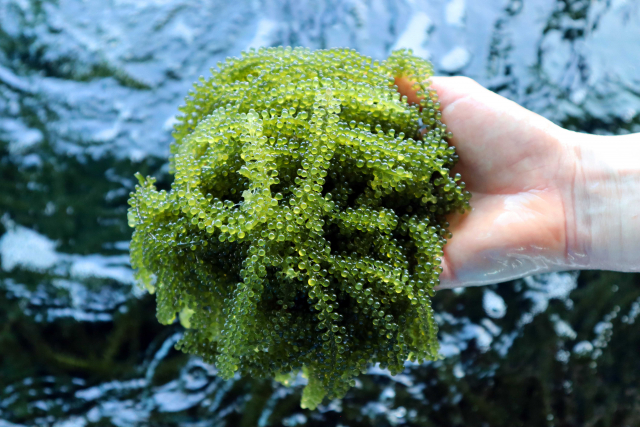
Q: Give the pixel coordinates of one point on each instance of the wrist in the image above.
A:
(602, 202)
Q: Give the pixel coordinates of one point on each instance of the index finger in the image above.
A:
(448, 89)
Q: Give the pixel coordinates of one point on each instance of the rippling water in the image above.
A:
(88, 94)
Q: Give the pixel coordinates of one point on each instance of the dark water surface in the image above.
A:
(88, 94)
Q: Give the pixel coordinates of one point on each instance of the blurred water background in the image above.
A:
(88, 94)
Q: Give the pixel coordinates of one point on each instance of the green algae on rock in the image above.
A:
(305, 226)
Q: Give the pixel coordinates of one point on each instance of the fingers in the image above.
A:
(451, 89)
(405, 87)
(448, 277)
(506, 236)
(448, 89)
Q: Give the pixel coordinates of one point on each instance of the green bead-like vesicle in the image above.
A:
(306, 222)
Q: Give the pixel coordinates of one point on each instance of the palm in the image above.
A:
(514, 169)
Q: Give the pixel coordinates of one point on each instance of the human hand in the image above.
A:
(519, 174)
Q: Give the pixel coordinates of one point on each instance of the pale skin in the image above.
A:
(543, 198)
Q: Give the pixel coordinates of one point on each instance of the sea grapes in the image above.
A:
(305, 225)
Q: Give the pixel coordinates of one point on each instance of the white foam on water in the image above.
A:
(455, 60)
(265, 32)
(455, 12)
(415, 35)
(23, 247)
(493, 304)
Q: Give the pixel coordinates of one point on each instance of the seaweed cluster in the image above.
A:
(306, 222)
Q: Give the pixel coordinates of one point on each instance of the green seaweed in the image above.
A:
(305, 224)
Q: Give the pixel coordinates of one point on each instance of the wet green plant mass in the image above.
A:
(306, 222)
